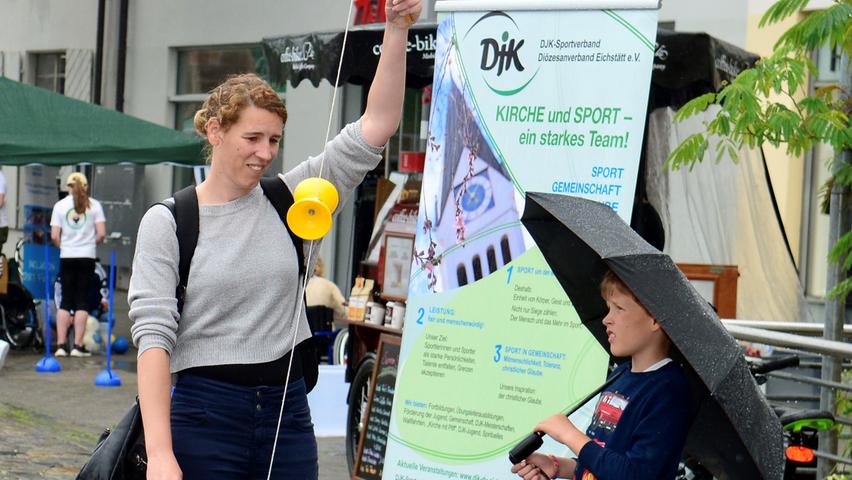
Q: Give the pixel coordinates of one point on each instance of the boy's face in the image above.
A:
(630, 329)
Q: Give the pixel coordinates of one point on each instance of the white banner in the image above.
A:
(522, 101)
(484, 5)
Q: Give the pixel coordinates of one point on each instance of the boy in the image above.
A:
(643, 441)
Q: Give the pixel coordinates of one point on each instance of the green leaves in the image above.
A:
(781, 10)
(695, 106)
(831, 26)
(769, 104)
(688, 152)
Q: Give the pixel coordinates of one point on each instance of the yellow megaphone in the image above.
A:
(315, 199)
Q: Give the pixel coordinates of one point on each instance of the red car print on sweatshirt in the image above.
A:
(608, 411)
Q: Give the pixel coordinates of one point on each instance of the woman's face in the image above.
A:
(243, 152)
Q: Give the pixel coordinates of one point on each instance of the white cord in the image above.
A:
(300, 292)
(336, 83)
(290, 364)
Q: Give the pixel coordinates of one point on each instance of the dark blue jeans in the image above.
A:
(226, 431)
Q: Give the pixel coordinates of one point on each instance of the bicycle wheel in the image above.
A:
(359, 392)
(339, 351)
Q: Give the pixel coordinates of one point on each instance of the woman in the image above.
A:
(321, 292)
(77, 225)
(230, 347)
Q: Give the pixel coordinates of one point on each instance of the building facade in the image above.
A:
(158, 58)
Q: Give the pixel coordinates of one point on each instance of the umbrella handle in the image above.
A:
(534, 441)
(526, 447)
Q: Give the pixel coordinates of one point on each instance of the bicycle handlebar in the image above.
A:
(772, 365)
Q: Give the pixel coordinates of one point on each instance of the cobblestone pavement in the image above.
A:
(50, 422)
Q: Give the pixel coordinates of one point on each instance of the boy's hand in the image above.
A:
(402, 13)
(535, 467)
(557, 427)
(563, 431)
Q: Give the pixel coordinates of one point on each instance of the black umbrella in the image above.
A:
(735, 434)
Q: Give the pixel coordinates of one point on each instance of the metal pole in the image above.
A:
(835, 308)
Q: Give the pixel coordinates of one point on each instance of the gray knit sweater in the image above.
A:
(243, 289)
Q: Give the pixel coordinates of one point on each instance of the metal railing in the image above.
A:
(799, 336)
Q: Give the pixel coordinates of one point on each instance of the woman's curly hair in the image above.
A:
(228, 100)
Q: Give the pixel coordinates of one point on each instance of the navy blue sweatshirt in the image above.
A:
(639, 426)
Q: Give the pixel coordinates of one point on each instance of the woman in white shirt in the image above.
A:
(76, 227)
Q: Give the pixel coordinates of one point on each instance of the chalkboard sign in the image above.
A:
(369, 463)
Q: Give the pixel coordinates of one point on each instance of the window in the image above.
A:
(202, 69)
(199, 71)
(461, 275)
(492, 259)
(407, 137)
(477, 267)
(50, 71)
(505, 250)
(828, 64)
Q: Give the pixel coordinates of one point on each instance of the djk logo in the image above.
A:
(502, 50)
(502, 55)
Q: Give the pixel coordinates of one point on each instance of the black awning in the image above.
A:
(685, 64)
(315, 56)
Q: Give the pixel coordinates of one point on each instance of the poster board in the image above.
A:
(522, 101)
(369, 462)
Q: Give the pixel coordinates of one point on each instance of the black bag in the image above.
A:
(120, 453)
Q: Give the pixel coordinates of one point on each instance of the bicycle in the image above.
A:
(801, 429)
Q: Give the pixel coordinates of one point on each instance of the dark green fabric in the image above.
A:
(39, 126)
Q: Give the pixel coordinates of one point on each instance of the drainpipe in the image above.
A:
(99, 53)
(122, 56)
(835, 308)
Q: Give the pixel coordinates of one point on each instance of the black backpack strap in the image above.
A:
(185, 210)
(281, 198)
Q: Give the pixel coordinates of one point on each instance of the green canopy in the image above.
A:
(39, 126)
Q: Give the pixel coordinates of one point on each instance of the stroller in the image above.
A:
(18, 321)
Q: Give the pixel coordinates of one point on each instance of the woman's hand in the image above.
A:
(402, 13)
(163, 467)
(536, 467)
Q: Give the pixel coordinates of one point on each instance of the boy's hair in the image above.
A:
(611, 282)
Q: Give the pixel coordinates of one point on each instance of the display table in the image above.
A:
(363, 339)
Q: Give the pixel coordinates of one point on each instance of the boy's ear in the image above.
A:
(655, 325)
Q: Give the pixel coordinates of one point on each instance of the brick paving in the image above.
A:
(50, 422)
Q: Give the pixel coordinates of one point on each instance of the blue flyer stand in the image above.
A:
(108, 378)
(48, 363)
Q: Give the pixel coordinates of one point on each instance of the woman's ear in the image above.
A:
(214, 131)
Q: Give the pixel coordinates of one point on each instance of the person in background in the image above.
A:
(98, 291)
(4, 217)
(242, 316)
(323, 292)
(77, 226)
